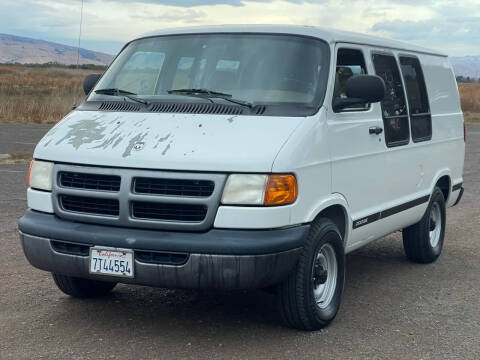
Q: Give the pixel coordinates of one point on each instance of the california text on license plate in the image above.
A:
(111, 261)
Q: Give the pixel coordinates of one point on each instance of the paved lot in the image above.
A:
(391, 308)
(20, 138)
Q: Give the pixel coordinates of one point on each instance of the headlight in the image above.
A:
(40, 175)
(252, 189)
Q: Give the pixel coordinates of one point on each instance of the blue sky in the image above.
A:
(450, 26)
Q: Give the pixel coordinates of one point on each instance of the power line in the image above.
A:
(79, 35)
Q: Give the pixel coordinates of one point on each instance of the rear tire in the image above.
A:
(310, 297)
(423, 241)
(82, 288)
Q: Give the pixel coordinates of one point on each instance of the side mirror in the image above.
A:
(361, 89)
(89, 82)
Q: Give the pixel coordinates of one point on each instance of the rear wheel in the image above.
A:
(310, 297)
(82, 288)
(423, 241)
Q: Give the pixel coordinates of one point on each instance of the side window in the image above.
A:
(349, 62)
(420, 118)
(394, 109)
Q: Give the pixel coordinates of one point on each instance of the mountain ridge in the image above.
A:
(25, 50)
(466, 66)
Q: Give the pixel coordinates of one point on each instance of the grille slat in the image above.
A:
(89, 205)
(200, 108)
(174, 187)
(153, 257)
(70, 248)
(168, 211)
(87, 181)
(118, 106)
(197, 109)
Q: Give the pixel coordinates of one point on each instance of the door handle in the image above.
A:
(377, 130)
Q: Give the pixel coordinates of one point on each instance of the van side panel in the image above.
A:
(441, 85)
(409, 172)
(447, 121)
(414, 169)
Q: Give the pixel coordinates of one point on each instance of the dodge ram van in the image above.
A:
(238, 157)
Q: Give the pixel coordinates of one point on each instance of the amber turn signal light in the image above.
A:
(29, 171)
(280, 190)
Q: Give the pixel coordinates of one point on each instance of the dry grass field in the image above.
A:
(470, 96)
(39, 94)
(45, 95)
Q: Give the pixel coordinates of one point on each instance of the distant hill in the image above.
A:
(466, 66)
(17, 49)
(23, 50)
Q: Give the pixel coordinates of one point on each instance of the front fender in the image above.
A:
(334, 199)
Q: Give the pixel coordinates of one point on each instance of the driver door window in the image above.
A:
(350, 62)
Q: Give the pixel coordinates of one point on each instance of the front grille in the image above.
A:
(77, 180)
(90, 205)
(174, 187)
(137, 198)
(168, 212)
(70, 248)
(164, 258)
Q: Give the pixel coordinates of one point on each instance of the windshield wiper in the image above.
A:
(209, 94)
(119, 92)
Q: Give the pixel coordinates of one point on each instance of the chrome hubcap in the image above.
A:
(324, 275)
(435, 224)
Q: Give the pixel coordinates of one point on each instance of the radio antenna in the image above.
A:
(79, 35)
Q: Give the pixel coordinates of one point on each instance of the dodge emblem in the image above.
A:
(138, 145)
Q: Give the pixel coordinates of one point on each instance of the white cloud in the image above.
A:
(455, 29)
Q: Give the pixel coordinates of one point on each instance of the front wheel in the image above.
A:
(423, 241)
(310, 297)
(82, 288)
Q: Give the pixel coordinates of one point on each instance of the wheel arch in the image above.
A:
(445, 184)
(334, 208)
(443, 180)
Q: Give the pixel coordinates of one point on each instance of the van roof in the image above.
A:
(329, 35)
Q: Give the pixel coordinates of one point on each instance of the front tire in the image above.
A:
(423, 241)
(310, 297)
(82, 288)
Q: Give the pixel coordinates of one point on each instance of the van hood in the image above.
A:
(167, 141)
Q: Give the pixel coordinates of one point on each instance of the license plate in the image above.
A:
(111, 261)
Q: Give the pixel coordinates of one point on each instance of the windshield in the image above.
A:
(254, 68)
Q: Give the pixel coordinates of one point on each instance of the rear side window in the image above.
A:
(420, 117)
(394, 108)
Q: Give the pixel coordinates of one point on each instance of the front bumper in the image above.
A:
(219, 258)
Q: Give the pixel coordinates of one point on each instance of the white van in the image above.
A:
(239, 157)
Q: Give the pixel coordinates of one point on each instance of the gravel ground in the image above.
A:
(16, 138)
(391, 308)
